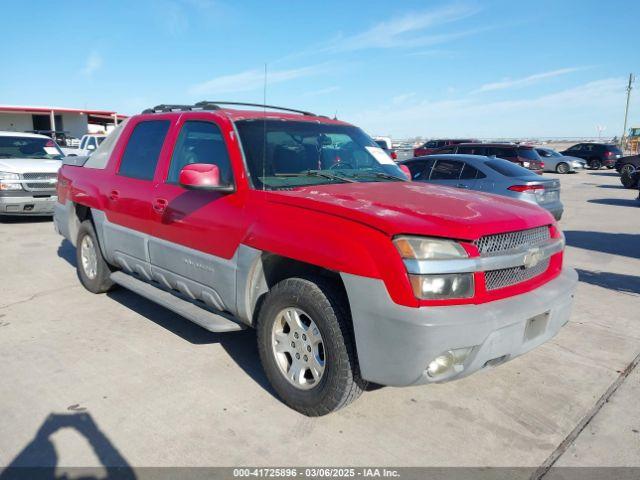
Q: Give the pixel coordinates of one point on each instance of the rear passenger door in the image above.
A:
(129, 191)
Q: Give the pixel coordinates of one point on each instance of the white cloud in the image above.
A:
(570, 112)
(525, 81)
(253, 80)
(402, 98)
(406, 31)
(92, 64)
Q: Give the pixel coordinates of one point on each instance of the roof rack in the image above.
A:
(211, 105)
(244, 104)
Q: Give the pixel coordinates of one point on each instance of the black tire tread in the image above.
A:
(102, 283)
(335, 305)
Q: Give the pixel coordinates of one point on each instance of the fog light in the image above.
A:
(451, 360)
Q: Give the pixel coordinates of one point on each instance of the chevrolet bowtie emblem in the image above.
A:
(532, 258)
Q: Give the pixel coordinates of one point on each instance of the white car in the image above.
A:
(89, 143)
(29, 165)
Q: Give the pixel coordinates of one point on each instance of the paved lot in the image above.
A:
(90, 379)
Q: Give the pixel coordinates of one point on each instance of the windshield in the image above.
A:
(285, 154)
(29, 147)
(507, 168)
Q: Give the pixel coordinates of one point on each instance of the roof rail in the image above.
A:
(178, 108)
(206, 103)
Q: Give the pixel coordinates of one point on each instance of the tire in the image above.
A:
(595, 163)
(628, 176)
(609, 167)
(562, 167)
(333, 380)
(93, 271)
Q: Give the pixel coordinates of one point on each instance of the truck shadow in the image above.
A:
(241, 346)
(605, 174)
(625, 244)
(612, 281)
(24, 219)
(39, 458)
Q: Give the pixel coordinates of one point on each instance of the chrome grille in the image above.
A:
(503, 242)
(40, 181)
(511, 276)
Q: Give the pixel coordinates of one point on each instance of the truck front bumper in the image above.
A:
(396, 344)
(27, 205)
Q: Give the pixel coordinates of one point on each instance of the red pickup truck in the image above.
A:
(303, 228)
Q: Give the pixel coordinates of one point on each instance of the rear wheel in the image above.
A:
(306, 346)
(628, 176)
(562, 167)
(595, 163)
(93, 271)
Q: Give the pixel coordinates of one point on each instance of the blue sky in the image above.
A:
(492, 68)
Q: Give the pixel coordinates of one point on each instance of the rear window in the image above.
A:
(507, 168)
(614, 149)
(101, 155)
(529, 154)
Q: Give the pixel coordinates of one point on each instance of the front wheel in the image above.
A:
(306, 346)
(562, 167)
(93, 271)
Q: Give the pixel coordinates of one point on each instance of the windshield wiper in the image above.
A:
(388, 176)
(316, 173)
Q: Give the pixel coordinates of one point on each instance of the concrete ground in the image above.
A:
(116, 380)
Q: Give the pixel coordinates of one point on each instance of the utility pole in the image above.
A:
(626, 109)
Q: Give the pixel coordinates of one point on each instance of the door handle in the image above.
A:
(462, 185)
(160, 205)
(114, 195)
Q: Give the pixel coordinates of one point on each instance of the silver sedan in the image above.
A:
(556, 162)
(490, 175)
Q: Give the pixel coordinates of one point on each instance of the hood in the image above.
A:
(418, 208)
(29, 165)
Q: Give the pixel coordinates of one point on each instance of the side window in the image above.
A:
(200, 142)
(470, 173)
(504, 152)
(420, 170)
(576, 148)
(447, 150)
(472, 150)
(431, 144)
(140, 156)
(446, 170)
(587, 148)
(83, 142)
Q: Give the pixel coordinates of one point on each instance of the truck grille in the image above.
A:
(504, 242)
(34, 181)
(506, 277)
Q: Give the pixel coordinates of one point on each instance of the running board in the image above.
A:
(214, 322)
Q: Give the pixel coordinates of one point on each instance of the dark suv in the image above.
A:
(597, 155)
(524, 155)
(432, 145)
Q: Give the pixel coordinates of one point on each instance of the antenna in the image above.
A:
(264, 131)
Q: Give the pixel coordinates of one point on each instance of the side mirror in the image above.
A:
(406, 171)
(202, 176)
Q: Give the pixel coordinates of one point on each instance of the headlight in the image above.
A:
(439, 286)
(424, 248)
(442, 287)
(10, 181)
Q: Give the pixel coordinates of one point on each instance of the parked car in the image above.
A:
(488, 174)
(386, 144)
(524, 155)
(29, 166)
(432, 145)
(597, 155)
(303, 228)
(62, 138)
(559, 163)
(628, 168)
(89, 142)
